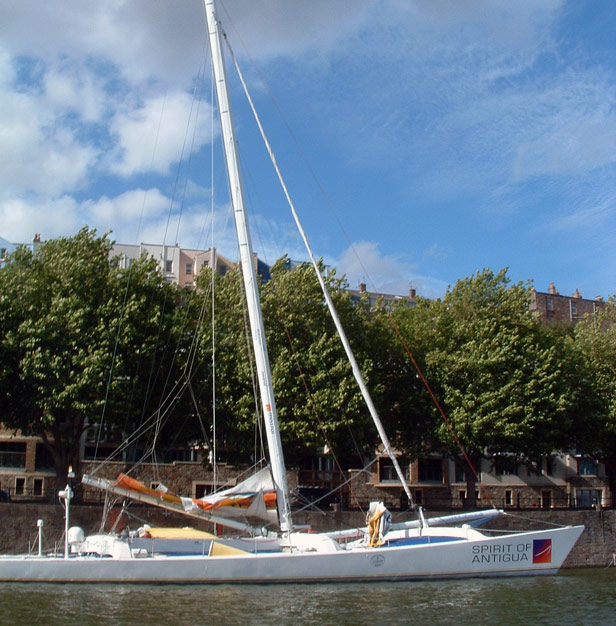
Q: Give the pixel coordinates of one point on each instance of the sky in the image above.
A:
(421, 140)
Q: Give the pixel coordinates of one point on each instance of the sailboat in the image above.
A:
(447, 547)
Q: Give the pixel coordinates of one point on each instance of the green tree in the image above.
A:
(76, 335)
(234, 403)
(408, 334)
(149, 384)
(498, 374)
(317, 398)
(594, 379)
(319, 402)
(56, 343)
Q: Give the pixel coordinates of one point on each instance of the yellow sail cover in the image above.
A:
(175, 533)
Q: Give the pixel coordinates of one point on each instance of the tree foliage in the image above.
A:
(593, 348)
(497, 373)
(56, 337)
(84, 342)
(78, 336)
(317, 398)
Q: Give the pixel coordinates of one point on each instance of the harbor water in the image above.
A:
(582, 596)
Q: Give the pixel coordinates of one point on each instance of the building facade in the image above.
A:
(561, 481)
(178, 265)
(567, 480)
(26, 468)
(374, 297)
(554, 308)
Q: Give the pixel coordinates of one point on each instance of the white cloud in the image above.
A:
(293, 27)
(574, 140)
(153, 136)
(130, 207)
(156, 38)
(37, 155)
(140, 38)
(363, 262)
(21, 220)
(479, 107)
(74, 88)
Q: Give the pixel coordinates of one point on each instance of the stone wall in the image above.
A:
(18, 531)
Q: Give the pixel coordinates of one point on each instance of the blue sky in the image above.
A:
(445, 136)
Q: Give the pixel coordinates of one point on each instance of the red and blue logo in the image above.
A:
(542, 550)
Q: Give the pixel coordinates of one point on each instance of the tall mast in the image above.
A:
(248, 271)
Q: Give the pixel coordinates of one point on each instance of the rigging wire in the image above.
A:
(341, 333)
(248, 178)
(328, 203)
(151, 378)
(363, 470)
(122, 311)
(325, 369)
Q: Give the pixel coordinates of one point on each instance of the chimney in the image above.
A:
(412, 293)
(362, 287)
(599, 298)
(577, 294)
(552, 289)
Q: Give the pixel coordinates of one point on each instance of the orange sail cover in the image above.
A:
(252, 496)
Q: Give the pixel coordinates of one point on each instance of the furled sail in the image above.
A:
(252, 501)
(252, 498)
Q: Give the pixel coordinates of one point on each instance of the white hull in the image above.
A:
(507, 555)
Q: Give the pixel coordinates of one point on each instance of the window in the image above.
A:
(549, 304)
(549, 466)
(430, 470)
(573, 309)
(546, 499)
(168, 266)
(505, 466)
(587, 467)
(587, 498)
(202, 489)
(189, 268)
(20, 486)
(205, 263)
(12, 454)
(460, 473)
(43, 459)
(100, 451)
(418, 496)
(462, 495)
(387, 471)
(508, 497)
(2, 252)
(37, 489)
(180, 455)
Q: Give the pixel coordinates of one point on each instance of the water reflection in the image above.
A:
(576, 596)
